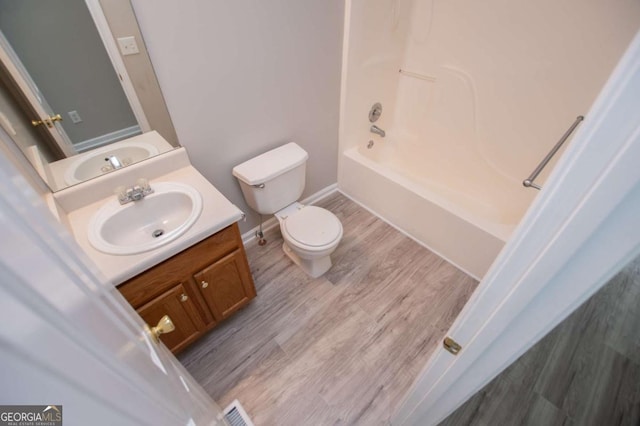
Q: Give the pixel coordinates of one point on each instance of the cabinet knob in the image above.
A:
(184, 297)
(204, 284)
(165, 325)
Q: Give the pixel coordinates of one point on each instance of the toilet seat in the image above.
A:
(312, 228)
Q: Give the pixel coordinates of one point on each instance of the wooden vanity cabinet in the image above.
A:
(197, 287)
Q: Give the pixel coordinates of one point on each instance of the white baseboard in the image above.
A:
(320, 195)
(107, 138)
(272, 222)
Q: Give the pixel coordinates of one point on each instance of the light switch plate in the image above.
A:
(74, 116)
(128, 45)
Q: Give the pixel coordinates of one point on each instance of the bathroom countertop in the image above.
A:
(217, 213)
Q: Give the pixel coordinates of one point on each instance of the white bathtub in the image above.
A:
(449, 200)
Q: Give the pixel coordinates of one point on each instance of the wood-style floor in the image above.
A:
(341, 349)
(585, 372)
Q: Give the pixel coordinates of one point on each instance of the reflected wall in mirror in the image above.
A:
(62, 101)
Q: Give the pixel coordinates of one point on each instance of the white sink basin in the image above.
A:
(144, 225)
(93, 163)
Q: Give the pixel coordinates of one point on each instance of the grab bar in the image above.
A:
(528, 182)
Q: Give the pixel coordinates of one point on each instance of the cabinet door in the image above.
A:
(226, 285)
(176, 303)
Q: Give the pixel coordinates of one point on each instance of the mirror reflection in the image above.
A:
(61, 100)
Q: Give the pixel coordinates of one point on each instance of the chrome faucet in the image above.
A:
(377, 130)
(114, 162)
(135, 193)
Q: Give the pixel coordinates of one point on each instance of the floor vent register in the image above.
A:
(235, 415)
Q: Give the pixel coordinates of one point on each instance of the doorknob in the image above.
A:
(165, 325)
(48, 121)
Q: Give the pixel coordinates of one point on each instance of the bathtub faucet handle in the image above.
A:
(377, 130)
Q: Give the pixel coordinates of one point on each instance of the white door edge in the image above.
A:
(579, 231)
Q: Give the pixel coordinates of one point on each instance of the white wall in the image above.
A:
(242, 77)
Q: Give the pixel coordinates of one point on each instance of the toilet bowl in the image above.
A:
(310, 235)
(272, 183)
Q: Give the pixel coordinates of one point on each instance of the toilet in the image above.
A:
(272, 183)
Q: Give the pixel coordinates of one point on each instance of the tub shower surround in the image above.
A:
(473, 96)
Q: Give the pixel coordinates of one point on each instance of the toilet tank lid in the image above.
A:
(270, 164)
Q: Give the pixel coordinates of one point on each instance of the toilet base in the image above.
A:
(313, 267)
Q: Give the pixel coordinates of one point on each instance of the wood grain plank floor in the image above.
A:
(341, 349)
(585, 372)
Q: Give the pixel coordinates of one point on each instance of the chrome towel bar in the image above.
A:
(528, 182)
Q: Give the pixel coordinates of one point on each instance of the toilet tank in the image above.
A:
(273, 180)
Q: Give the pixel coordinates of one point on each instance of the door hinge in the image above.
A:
(451, 345)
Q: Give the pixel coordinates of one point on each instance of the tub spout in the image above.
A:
(377, 130)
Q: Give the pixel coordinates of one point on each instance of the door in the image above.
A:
(44, 116)
(581, 229)
(69, 338)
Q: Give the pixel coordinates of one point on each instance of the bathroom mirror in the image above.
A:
(76, 84)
